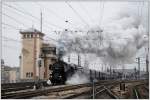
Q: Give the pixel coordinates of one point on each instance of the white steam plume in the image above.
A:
(117, 42)
(78, 78)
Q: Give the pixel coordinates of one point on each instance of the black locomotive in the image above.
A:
(60, 72)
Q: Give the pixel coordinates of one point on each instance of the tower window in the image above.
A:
(31, 35)
(27, 74)
(28, 35)
(31, 74)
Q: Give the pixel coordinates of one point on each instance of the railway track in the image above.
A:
(84, 91)
(33, 93)
(107, 93)
(141, 92)
(146, 88)
(103, 91)
(19, 84)
(99, 89)
(14, 87)
(136, 93)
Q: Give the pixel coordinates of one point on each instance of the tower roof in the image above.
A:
(31, 31)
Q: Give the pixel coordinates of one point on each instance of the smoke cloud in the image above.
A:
(117, 41)
(78, 78)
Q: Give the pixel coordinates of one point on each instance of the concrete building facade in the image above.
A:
(10, 74)
(34, 60)
(48, 56)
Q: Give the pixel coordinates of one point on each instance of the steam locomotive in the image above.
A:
(60, 72)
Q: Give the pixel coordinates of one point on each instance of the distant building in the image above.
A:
(6, 74)
(36, 56)
(14, 75)
(10, 74)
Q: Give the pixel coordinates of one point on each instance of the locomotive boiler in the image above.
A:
(60, 72)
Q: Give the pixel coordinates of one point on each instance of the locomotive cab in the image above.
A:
(58, 74)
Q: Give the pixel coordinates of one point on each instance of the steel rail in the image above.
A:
(135, 93)
(10, 87)
(102, 89)
(29, 94)
(98, 86)
(146, 88)
(111, 93)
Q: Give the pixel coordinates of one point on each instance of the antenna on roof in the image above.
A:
(41, 21)
(32, 25)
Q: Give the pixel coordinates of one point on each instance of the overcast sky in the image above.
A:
(24, 15)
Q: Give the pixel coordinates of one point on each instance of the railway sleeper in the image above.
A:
(41, 92)
(111, 93)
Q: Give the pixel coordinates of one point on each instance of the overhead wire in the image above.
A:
(15, 40)
(51, 38)
(48, 10)
(59, 17)
(18, 13)
(53, 23)
(27, 13)
(11, 39)
(83, 8)
(16, 20)
(11, 26)
(19, 22)
(102, 12)
(55, 14)
(70, 6)
(10, 47)
(23, 12)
